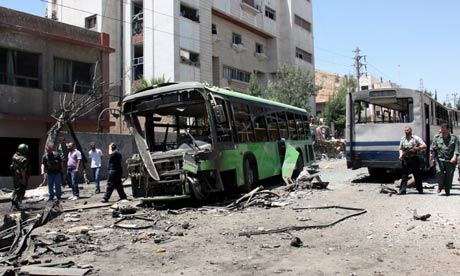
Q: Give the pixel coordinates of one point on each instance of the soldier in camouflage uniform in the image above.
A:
(20, 169)
(445, 148)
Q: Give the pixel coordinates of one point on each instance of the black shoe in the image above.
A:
(420, 191)
(104, 200)
(401, 192)
(98, 191)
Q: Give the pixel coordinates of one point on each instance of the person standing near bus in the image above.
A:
(73, 164)
(53, 166)
(445, 147)
(96, 160)
(115, 171)
(409, 146)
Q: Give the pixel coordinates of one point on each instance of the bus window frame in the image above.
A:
(245, 103)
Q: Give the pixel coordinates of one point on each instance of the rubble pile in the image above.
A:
(325, 149)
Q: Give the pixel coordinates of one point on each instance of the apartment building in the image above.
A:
(223, 43)
(40, 61)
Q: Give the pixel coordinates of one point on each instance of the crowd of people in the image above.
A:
(61, 165)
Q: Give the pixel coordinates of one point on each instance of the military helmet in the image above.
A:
(23, 148)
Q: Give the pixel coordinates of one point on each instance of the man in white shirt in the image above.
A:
(96, 160)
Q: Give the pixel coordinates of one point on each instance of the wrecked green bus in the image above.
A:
(194, 139)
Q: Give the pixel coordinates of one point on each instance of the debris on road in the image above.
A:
(16, 230)
(387, 190)
(417, 216)
(254, 197)
(305, 180)
(135, 226)
(360, 211)
(296, 242)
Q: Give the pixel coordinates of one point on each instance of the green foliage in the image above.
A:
(292, 86)
(143, 83)
(255, 87)
(335, 109)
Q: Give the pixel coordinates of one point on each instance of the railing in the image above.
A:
(138, 23)
(138, 60)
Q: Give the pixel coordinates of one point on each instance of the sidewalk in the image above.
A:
(87, 192)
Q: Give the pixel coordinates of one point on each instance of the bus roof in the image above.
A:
(215, 89)
(398, 91)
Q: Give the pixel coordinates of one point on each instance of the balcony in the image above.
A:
(250, 6)
(138, 24)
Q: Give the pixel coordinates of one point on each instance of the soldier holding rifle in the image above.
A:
(409, 146)
(445, 148)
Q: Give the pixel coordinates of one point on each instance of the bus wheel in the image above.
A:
(198, 189)
(249, 176)
(376, 172)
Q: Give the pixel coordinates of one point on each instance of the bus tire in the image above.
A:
(249, 174)
(376, 172)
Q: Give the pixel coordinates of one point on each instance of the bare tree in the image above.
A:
(74, 108)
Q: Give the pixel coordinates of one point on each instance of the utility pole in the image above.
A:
(358, 65)
(421, 88)
(454, 95)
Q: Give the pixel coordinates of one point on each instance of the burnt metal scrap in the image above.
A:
(255, 197)
(16, 230)
(359, 211)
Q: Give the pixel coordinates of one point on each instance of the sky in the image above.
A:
(410, 42)
(414, 43)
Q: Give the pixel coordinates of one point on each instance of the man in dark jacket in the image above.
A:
(53, 166)
(115, 173)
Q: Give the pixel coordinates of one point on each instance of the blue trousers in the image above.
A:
(73, 181)
(97, 176)
(54, 185)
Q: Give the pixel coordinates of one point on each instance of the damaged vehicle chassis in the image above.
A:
(194, 140)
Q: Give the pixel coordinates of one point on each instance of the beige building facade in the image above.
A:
(40, 62)
(223, 43)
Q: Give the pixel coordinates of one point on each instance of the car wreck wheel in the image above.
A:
(199, 189)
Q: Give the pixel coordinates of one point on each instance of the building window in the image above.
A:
(68, 73)
(236, 39)
(299, 21)
(91, 22)
(19, 68)
(270, 13)
(235, 74)
(138, 20)
(259, 48)
(303, 55)
(214, 29)
(189, 57)
(189, 13)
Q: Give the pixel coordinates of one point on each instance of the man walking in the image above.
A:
(409, 146)
(96, 159)
(115, 174)
(445, 147)
(53, 165)
(73, 164)
(20, 169)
